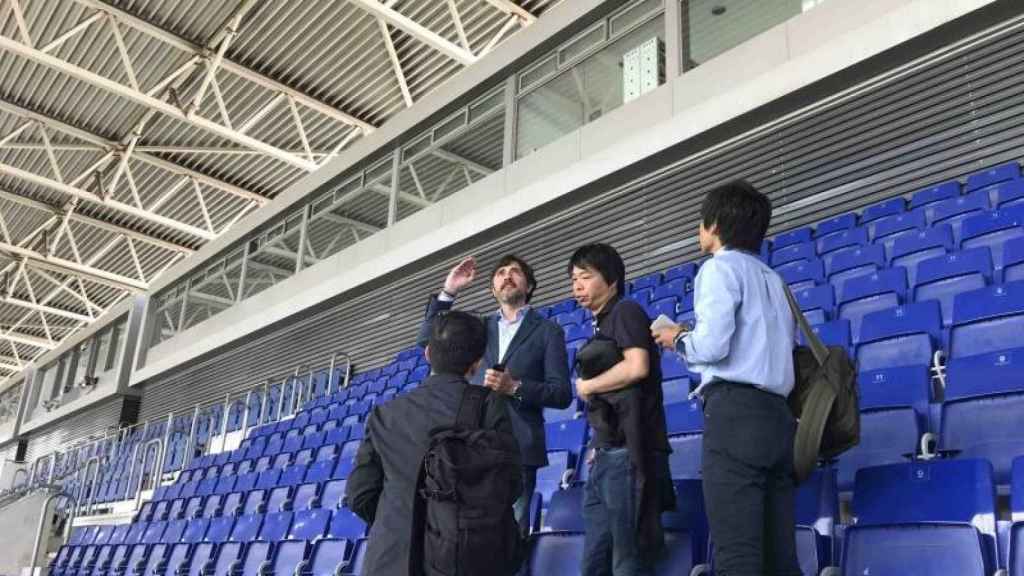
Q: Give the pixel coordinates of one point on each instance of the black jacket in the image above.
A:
(537, 357)
(382, 486)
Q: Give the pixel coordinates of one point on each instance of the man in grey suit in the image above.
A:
(529, 348)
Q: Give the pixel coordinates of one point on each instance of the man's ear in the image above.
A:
(426, 353)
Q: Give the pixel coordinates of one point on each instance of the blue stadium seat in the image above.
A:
(987, 320)
(816, 514)
(937, 193)
(246, 528)
(955, 210)
(565, 513)
(938, 516)
(176, 560)
(329, 557)
(195, 531)
(555, 553)
(993, 229)
(828, 245)
(911, 249)
(993, 175)
(174, 531)
(982, 412)
(901, 336)
(685, 272)
(942, 278)
(1017, 489)
(835, 224)
(794, 254)
(275, 526)
(333, 495)
(684, 417)
(1016, 563)
(255, 554)
(678, 389)
(305, 496)
(886, 436)
(1013, 259)
(309, 524)
(865, 294)
(648, 281)
(853, 262)
(890, 207)
(834, 333)
(816, 303)
(673, 367)
(886, 231)
(896, 388)
(803, 275)
(798, 236)
(157, 554)
(554, 476)
(1007, 194)
(671, 289)
(345, 524)
(570, 435)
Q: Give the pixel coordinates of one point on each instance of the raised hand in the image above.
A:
(460, 276)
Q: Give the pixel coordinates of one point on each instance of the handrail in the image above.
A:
(299, 394)
(95, 481)
(158, 462)
(43, 521)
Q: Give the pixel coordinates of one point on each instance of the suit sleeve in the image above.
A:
(366, 482)
(434, 307)
(554, 391)
(496, 418)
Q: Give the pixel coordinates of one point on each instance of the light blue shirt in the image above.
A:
(744, 331)
(507, 330)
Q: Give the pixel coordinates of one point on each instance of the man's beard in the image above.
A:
(513, 298)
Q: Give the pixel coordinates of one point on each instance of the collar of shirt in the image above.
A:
(519, 316)
(608, 307)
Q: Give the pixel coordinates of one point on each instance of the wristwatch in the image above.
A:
(516, 391)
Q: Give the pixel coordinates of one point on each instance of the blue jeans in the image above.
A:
(609, 516)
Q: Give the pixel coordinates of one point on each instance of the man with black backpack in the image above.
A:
(439, 469)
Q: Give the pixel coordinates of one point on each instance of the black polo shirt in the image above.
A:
(626, 322)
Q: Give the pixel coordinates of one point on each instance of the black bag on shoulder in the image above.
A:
(824, 399)
(463, 521)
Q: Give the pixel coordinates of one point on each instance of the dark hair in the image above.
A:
(531, 280)
(741, 213)
(604, 260)
(457, 340)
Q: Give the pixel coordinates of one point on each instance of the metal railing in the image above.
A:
(289, 401)
(41, 530)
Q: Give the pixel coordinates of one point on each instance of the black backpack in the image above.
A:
(463, 522)
(824, 399)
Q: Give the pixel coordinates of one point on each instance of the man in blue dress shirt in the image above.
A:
(742, 345)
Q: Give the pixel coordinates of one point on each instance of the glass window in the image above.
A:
(711, 27)
(103, 350)
(580, 94)
(116, 340)
(215, 289)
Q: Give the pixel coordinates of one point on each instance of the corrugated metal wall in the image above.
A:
(96, 420)
(940, 120)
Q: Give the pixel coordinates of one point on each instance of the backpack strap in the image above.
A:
(471, 408)
(814, 342)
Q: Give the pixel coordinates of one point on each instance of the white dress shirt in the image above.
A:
(744, 331)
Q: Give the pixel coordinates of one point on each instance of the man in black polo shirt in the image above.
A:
(629, 483)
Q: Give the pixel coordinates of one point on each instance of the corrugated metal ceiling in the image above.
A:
(100, 185)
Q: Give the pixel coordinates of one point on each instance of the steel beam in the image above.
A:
(109, 202)
(95, 223)
(513, 9)
(61, 265)
(417, 31)
(152, 102)
(133, 21)
(46, 309)
(29, 340)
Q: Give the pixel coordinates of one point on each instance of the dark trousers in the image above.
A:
(609, 515)
(522, 504)
(748, 481)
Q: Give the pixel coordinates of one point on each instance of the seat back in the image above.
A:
(885, 436)
(935, 193)
(345, 524)
(985, 427)
(902, 336)
(942, 278)
(256, 553)
(309, 524)
(869, 293)
(989, 319)
(910, 249)
(890, 207)
(246, 528)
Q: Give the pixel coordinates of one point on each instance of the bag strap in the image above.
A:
(810, 429)
(471, 408)
(817, 347)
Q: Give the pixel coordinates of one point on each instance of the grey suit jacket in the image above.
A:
(536, 357)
